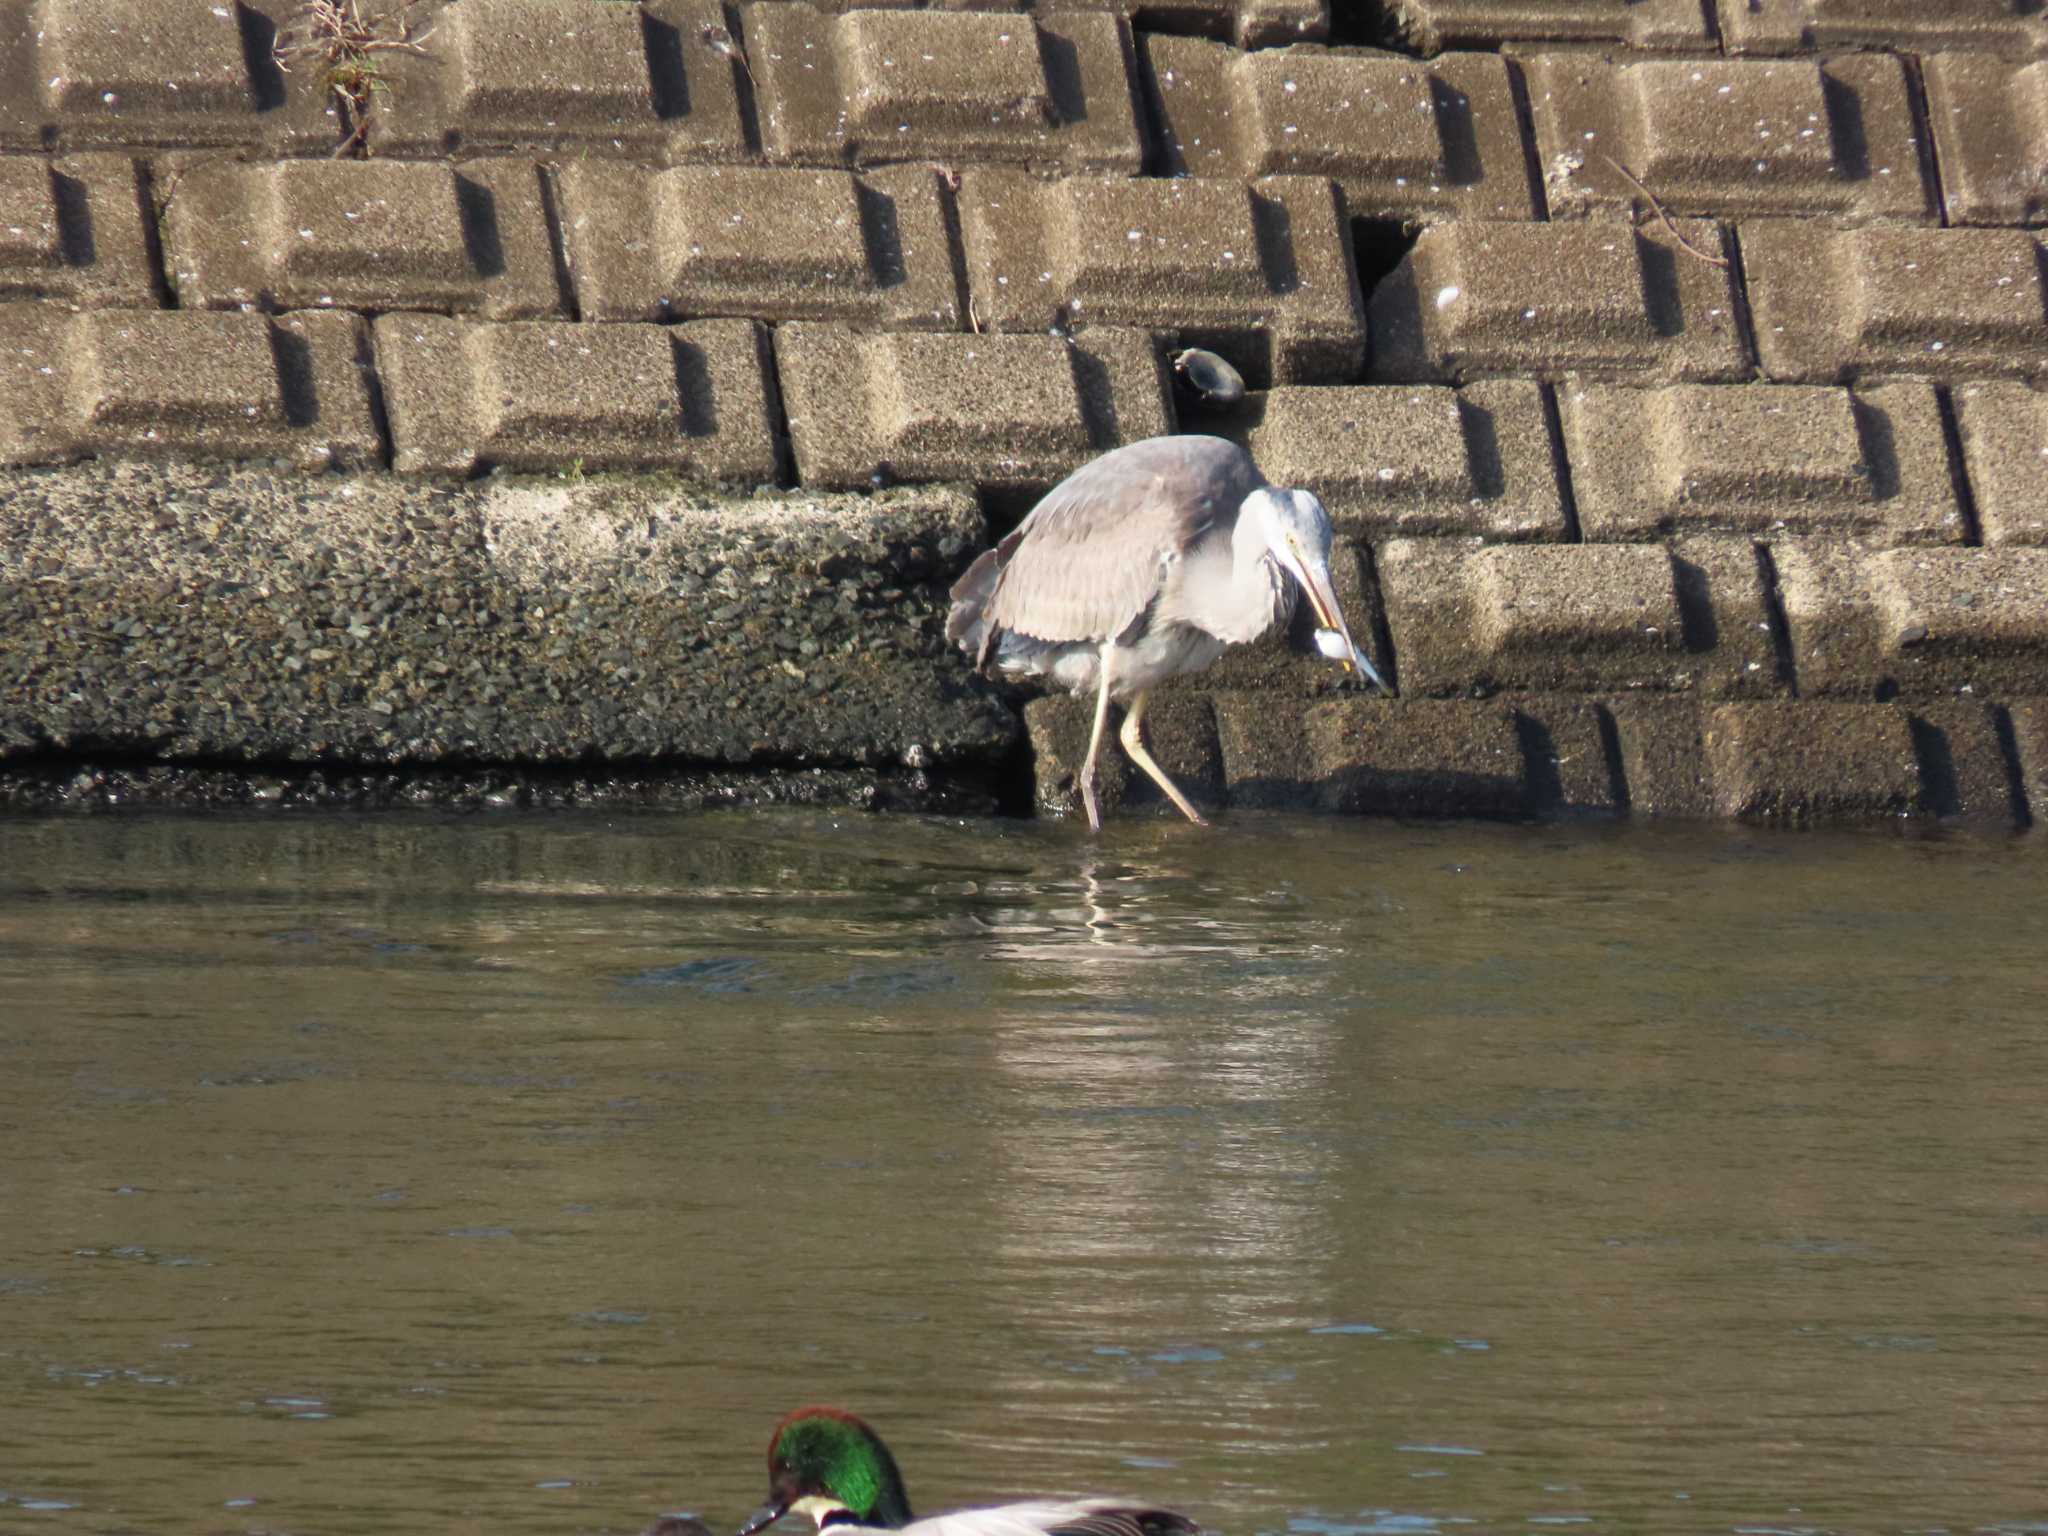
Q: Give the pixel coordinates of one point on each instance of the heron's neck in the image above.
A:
(1258, 591)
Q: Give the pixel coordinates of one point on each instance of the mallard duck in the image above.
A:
(826, 1463)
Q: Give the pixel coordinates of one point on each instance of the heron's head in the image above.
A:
(825, 1463)
(1296, 533)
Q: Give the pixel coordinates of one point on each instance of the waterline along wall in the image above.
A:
(574, 400)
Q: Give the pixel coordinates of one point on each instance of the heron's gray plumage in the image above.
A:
(1092, 557)
(1140, 566)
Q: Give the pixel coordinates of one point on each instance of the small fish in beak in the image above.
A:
(1337, 645)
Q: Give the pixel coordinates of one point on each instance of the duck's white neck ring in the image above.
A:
(824, 1509)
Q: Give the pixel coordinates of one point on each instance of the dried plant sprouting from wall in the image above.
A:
(341, 40)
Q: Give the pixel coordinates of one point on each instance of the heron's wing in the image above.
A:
(1085, 1517)
(1092, 554)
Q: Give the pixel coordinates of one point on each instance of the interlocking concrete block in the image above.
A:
(1260, 273)
(71, 231)
(1809, 761)
(1730, 137)
(2004, 430)
(2029, 722)
(786, 244)
(1569, 753)
(874, 86)
(1990, 136)
(1403, 138)
(179, 74)
(1830, 304)
(641, 81)
(1924, 622)
(1415, 458)
(1434, 25)
(691, 399)
(1575, 617)
(152, 383)
(1662, 744)
(1247, 23)
(363, 234)
(1601, 297)
(1760, 459)
(1965, 772)
(1791, 761)
(1000, 410)
(1792, 26)
(1424, 757)
(81, 74)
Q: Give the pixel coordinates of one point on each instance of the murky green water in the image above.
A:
(391, 1175)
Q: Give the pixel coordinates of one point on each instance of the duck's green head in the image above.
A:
(827, 1464)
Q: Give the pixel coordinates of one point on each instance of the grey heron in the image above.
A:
(827, 1464)
(1142, 565)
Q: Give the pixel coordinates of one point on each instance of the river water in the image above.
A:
(1332, 1177)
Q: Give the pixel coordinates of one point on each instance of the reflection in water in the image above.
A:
(1318, 1177)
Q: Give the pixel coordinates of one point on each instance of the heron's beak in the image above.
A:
(762, 1518)
(1314, 577)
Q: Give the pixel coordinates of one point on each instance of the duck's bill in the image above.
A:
(762, 1518)
(1333, 636)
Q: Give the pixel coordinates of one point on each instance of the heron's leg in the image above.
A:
(1095, 746)
(1134, 747)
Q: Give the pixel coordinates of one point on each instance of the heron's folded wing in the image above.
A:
(1091, 556)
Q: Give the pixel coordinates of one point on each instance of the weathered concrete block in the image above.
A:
(1802, 761)
(786, 244)
(157, 383)
(1415, 458)
(1964, 771)
(1927, 622)
(1599, 298)
(1734, 137)
(880, 85)
(689, 398)
(1403, 138)
(1790, 26)
(364, 234)
(71, 232)
(2004, 430)
(1261, 273)
(1760, 459)
(2029, 722)
(1664, 762)
(1000, 410)
(1831, 304)
(635, 81)
(1572, 617)
(1437, 24)
(1990, 136)
(1375, 756)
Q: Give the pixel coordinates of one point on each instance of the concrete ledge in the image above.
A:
(241, 618)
